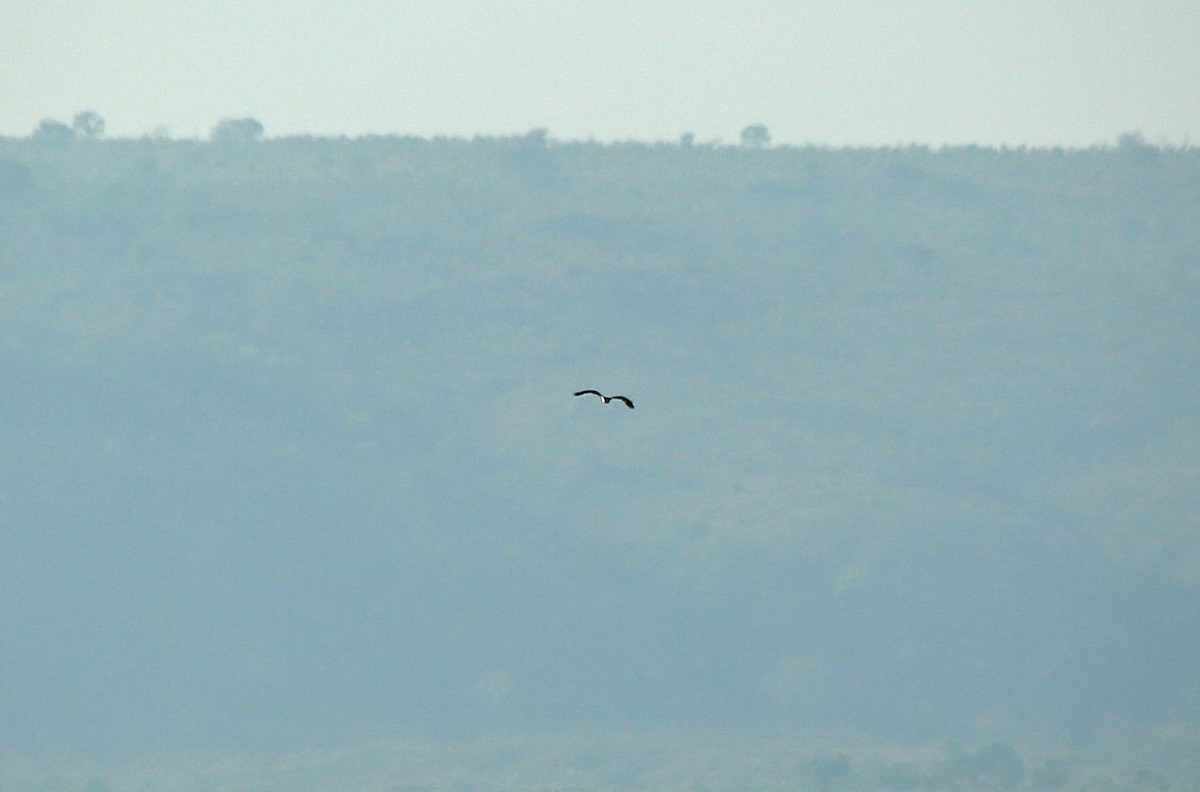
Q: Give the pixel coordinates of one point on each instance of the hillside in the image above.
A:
(290, 452)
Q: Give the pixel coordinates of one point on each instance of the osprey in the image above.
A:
(605, 399)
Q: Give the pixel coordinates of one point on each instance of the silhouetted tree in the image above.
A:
(237, 130)
(537, 137)
(52, 131)
(1132, 141)
(756, 136)
(1135, 146)
(88, 124)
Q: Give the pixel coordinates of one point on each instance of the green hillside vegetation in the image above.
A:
(290, 449)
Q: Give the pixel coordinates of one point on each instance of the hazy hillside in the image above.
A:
(290, 452)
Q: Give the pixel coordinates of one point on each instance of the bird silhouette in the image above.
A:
(605, 399)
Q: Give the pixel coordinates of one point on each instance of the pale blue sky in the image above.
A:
(1038, 72)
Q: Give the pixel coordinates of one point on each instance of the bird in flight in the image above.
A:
(605, 399)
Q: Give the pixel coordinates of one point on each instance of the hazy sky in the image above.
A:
(1040, 72)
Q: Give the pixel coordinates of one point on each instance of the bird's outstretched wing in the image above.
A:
(585, 392)
(628, 403)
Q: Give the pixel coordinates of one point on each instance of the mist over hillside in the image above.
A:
(290, 452)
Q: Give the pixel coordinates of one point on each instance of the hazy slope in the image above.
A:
(290, 449)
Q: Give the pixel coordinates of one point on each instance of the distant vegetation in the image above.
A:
(596, 762)
(290, 451)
